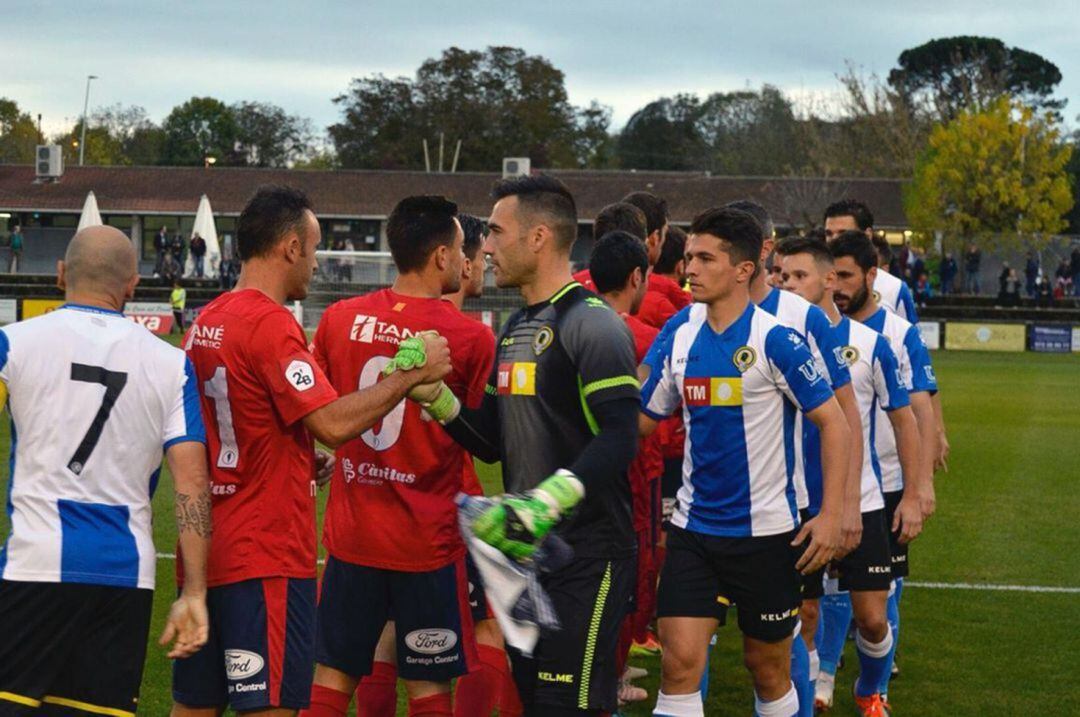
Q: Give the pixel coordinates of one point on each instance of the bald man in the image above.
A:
(95, 400)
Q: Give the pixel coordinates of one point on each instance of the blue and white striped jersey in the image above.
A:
(877, 384)
(740, 391)
(893, 293)
(813, 324)
(94, 400)
(918, 374)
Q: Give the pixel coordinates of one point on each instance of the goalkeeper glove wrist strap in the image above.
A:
(444, 407)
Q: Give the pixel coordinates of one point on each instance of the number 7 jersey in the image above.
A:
(258, 381)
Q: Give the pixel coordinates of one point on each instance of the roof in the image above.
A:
(373, 193)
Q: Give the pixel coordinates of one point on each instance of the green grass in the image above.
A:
(1007, 514)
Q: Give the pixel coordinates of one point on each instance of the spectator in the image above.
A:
(1074, 265)
(16, 249)
(170, 268)
(1044, 293)
(923, 290)
(176, 248)
(917, 265)
(178, 299)
(972, 263)
(161, 244)
(948, 271)
(1031, 273)
(198, 253)
(1010, 287)
(1063, 280)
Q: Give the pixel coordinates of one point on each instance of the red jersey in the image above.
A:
(648, 464)
(671, 290)
(391, 500)
(257, 380)
(584, 278)
(656, 309)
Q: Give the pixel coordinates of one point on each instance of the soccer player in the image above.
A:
(663, 297)
(671, 266)
(391, 530)
(265, 399)
(855, 264)
(813, 325)
(807, 269)
(737, 372)
(562, 402)
(621, 267)
(95, 400)
(619, 216)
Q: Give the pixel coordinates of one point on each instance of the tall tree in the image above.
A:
(498, 102)
(951, 74)
(201, 127)
(998, 173)
(664, 134)
(751, 133)
(267, 136)
(18, 134)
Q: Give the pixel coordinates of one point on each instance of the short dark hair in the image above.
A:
(884, 250)
(737, 229)
(416, 227)
(758, 212)
(853, 208)
(614, 258)
(474, 230)
(620, 216)
(271, 213)
(856, 245)
(673, 251)
(654, 207)
(817, 233)
(539, 193)
(812, 245)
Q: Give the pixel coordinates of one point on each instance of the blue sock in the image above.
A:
(703, 686)
(873, 663)
(800, 676)
(835, 618)
(892, 614)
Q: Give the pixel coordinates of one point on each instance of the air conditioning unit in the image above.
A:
(516, 167)
(50, 161)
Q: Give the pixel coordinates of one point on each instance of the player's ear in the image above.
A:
(442, 256)
(129, 292)
(871, 276)
(61, 275)
(292, 247)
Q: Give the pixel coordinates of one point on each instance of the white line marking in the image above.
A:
(907, 584)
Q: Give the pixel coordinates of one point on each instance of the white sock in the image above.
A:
(815, 665)
(786, 706)
(679, 705)
(871, 649)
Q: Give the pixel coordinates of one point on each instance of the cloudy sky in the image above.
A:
(623, 53)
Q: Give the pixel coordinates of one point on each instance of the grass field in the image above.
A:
(1007, 515)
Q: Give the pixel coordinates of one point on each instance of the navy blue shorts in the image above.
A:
(261, 648)
(430, 610)
(478, 603)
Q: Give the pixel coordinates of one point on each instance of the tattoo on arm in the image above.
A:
(193, 514)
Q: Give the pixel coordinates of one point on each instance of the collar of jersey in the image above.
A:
(91, 309)
(771, 303)
(562, 292)
(876, 320)
(743, 319)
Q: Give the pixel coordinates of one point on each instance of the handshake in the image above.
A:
(515, 524)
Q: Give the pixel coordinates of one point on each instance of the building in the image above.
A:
(353, 205)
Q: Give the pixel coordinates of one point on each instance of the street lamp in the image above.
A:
(86, 105)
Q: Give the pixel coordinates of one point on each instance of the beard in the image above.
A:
(856, 301)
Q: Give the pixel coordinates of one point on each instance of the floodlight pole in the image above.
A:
(86, 106)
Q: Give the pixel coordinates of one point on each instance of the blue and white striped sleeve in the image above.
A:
(905, 304)
(795, 370)
(888, 382)
(184, 422)
(922, 371)
(660, 393)
(828, 343)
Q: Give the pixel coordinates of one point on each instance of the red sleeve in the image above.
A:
(656, 309)
(280, 357)
(584, 277)
(318, 345)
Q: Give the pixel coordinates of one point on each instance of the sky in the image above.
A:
(300, 55)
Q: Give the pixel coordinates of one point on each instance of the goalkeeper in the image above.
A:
(560, 412)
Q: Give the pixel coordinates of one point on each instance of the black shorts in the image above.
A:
(671, 480)
(72, 645)
(898, 552)
(574, 667)
(813, 585)
(868, 566)
(478, 603)
(703, 575)
(261, 648)
(432, 620)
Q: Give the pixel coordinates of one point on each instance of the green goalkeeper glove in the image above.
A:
(438, 400)
(411, 354)
(518, 524)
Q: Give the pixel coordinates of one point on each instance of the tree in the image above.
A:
(19, 135)
(267, 136)
(1001, 171)
(201, 127)
(114, 135)
(951, 74)
(664, 134)
(499, 102)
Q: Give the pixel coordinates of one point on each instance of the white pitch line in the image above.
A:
(907, 583)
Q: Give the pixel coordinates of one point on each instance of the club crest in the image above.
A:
(543, 339)
(744, 358)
